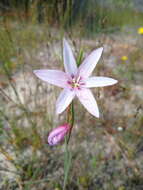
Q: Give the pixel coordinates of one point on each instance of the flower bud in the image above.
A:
(58, 134)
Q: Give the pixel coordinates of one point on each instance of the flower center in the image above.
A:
(76, 83)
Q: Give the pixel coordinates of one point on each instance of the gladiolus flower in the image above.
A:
(58, 134)
(76, 81)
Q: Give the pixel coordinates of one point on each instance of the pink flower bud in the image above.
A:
(58, 134)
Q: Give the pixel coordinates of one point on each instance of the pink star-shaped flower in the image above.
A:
(76, 81)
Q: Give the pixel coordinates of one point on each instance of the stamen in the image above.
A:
(78, 79)
(76, 84)
(73, 80)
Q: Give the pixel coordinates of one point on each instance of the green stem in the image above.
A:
(68, 155)
(67, 164)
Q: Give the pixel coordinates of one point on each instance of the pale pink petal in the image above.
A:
(55, 77)
(87, 99)
(64, 100)
(99, 82)
(89, 63)
(69, 60)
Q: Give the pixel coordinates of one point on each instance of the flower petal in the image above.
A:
(64, 100)
(55, 77)
(99, 82)
(69, 60)
(89, 63)
(87, 99)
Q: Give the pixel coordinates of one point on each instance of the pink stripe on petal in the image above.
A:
(64, 100)
(69, 60)
(89, 63)
(87, 99)
(55, 77)
(99, 82)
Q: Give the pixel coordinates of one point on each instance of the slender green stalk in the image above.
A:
(67, 163)
(80, 56)
(68, 155)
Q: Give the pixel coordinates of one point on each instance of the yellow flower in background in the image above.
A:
(140, 30)
(124, 58)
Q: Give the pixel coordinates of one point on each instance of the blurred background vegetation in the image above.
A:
(107, 152)
(93, 15)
